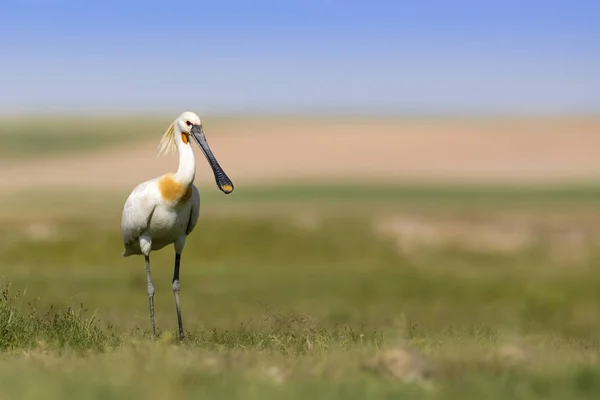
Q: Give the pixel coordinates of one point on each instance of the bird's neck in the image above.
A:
(187, 164)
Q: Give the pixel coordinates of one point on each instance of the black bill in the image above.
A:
(223, 181)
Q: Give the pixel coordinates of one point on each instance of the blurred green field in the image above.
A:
(26, 137)
(293, 293)
(299, 291)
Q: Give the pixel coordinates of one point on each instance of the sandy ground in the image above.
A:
(280, 151)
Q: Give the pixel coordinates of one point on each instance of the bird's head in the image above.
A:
(185, 122)
(187, 125)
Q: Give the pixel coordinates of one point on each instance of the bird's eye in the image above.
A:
(188, 123)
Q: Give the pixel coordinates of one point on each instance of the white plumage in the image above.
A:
(165, 210)
(150, 220)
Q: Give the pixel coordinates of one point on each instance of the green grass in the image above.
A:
(278, 307)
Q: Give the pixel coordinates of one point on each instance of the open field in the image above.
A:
(334, 285)
(499, 305)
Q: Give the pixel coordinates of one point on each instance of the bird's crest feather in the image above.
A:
(167, 142)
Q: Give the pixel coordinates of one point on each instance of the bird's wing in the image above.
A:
(195, 213)
(137, 212)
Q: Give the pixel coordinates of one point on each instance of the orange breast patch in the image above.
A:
(171, 190)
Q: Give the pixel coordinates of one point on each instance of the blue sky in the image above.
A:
(284, 56)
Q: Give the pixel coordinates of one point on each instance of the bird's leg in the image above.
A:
(176, 293)
(150, 295)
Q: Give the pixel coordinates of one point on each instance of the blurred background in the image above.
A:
(378, 110)
(433, 160)
(328, 92)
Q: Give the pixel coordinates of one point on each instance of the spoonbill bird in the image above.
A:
(165, 210)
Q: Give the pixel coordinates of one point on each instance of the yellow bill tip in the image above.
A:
(227, 188)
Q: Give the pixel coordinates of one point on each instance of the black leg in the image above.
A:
(176, 293)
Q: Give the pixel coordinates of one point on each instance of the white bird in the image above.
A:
(165, 210)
